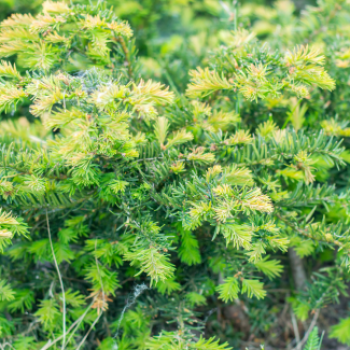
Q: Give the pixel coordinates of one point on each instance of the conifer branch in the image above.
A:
(74, 326)
(219, 179)
(89, 331)
(125, 49)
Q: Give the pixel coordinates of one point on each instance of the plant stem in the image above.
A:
(235, 26)
(295, 327)
(311, 327)
(126, 53)
(88, 332)
(61, 283)
(235, 13)
(298, 271)
(75, 324)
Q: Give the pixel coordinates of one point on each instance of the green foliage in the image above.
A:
(6, 293)
(271, 268)
(24, 301)
(172, 342)
(341, 331)
(229, 289)
(253, 288)
(313, 341)
(189, 250)
(131, 210)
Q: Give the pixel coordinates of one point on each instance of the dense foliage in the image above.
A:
(140, 216)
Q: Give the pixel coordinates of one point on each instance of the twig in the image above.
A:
(75, 279)
(88, 332)
(79, 320)
(311, 327)
(304, 233)
(98, 270)
(295, 327)
(61, 283)
(126, 54)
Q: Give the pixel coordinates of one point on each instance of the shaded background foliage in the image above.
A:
(174, 36)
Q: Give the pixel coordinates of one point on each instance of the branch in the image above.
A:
(75, 324)
(61, 283)
(311, 327)
(295, 327)
(88, 332)
(126, 53)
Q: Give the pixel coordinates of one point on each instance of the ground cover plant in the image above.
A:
(143, 208)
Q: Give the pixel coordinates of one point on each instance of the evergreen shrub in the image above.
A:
(136, 216)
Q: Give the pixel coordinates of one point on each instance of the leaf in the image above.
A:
(229, 289)
(118, 186)
(110, 344)
(161, 129)
(253, 288)
(313, 342)
(239, 176)
(74, 299)
(205, 82)
(24, 343)
(168, 286)
(67, 235)
(6, 293)
(48, 313)
(271, 268)
(7, 70)
(189, 250)
(301, 310)
(152, 262)
(23, 301)
(10, 97)
(209, 344)
(296, 115)
(179, 138)
(305, 248)
(196, 299)
(341, 331)
(102, 278)
(239, 235)
(63, 252)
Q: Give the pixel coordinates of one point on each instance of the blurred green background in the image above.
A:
(174, 36)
